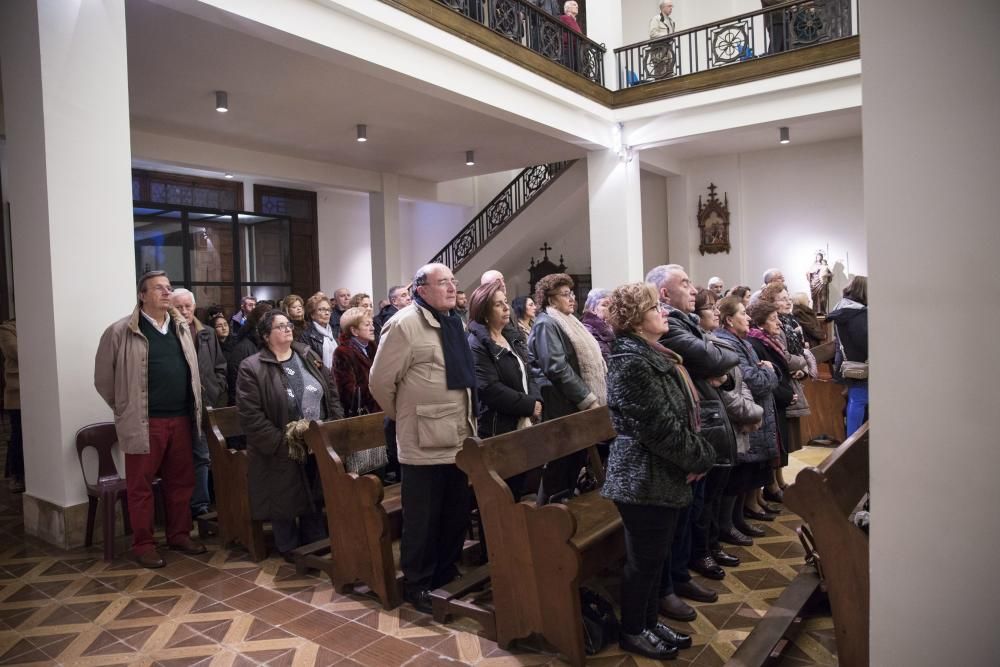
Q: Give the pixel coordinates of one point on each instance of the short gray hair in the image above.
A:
(769, 275)
(658, 275)
(715, 279)
(395, 290)
(420, 277)
(594, 297)
(183, 291)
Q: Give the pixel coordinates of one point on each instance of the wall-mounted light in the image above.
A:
(228, 175)
(362, 133)
(221, 101)
(783, 135)
(470, 158)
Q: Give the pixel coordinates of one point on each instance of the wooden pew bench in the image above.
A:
(229, 473)
(825, 497)
(538, 556)
(364, 518)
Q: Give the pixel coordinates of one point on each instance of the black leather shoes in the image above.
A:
(673, 607)
(421, 601)
(692, 590)
(671, 637)
(647, 644)
(735, 537)
(774, 496)
(757, 516)
(770, 509)
(748, 529)
(726, 560)
(707, 567)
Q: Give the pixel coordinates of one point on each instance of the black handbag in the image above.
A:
(600, 625)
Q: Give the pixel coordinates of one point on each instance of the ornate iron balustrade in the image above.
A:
(765, 32)
(496, 215)
(529, 26)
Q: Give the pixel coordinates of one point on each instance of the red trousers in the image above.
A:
(169, 457)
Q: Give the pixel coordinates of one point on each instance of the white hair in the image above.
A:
(659, 275)
(770, 274)
(182, 291)
(715, 280)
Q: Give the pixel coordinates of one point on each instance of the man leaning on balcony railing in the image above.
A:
(662, 25)
(660, 58)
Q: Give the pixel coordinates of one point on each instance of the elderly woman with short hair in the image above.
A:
(360, 300)
(594, 320)
(655, 457)
(279, 390)
(352, 362)
(569, 368)
(319, 333)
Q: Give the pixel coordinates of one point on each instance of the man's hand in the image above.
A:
(719, 381)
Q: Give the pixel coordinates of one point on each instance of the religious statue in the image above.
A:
(819, 278)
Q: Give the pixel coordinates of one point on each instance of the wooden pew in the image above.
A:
(539, 556)
(363, 517)
(825, 497)
(229, 472)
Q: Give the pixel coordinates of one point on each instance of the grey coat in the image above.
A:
(656, 446)
(762, 382)
(279, 487)
(212, 368)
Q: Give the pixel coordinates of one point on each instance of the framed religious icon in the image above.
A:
(713, 222)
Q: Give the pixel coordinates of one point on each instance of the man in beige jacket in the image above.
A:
(424, 377)
(146, 370)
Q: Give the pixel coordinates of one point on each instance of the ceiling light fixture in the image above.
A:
(783, 135)
(362, 133)
(470, 158)
(221, 101)
(228, 175)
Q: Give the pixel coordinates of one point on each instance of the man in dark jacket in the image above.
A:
(707, 363)
(212, 369)
(399, 298)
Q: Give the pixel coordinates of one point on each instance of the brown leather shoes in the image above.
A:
(189, 547)
(692, 590)
(150, 559)
(673, 607)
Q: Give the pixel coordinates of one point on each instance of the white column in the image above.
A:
(681, 226)
(384, 212)
(65, 90)
(615, 201)
(931, 159)
(604, 26)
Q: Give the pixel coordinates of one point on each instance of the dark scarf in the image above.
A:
(793, 334)
(768, 341)
(459, 366)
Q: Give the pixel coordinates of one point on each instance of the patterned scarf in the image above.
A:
(770, 341)
(593, 370)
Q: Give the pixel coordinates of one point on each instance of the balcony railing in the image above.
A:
(765, 32)
(539, 31)
(496, 215)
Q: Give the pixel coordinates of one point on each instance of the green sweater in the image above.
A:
(169, 378)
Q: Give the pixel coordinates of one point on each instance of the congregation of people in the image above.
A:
(703, 385)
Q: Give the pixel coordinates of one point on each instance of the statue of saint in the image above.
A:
(819, 277)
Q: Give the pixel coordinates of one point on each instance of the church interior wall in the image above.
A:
(344, 240)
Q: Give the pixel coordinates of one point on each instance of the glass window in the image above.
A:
(159, 246)
(208, 296)
(211, 243)
(264, 250)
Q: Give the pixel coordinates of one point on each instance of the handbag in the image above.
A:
(367, 460)
(600, 625)
(851, 370)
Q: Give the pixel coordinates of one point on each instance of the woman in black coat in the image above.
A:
(278, 388)
(508, 396)
(655, 457)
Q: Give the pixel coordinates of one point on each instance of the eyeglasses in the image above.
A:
(566, 295)
(444, 282)
(163, 289)
(284, 326)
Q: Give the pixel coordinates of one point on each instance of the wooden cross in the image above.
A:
(711, 190)
(545, 248)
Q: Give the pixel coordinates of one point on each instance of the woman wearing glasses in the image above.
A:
(569, 369)
(318, 334)
(278, 391)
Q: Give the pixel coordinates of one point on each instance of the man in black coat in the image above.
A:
(708, 364)
(399, 298)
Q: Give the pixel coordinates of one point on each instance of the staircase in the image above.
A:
(499, 213)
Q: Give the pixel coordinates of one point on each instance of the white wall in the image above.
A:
(785, 204)
(344, 239)
(932, 155)
(475, 192)
(654, 219)
(424, 228)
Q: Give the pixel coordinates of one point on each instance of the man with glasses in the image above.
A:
(708, 364)
(146, 370)
(423, 376)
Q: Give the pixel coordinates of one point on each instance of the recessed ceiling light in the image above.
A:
(221, 101)
(228, 175)
(362, 133)
(783, 135)
(470, 158)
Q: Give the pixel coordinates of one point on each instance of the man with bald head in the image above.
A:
(424, 377)
(491, 276)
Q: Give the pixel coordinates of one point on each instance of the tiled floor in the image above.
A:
(72, 608)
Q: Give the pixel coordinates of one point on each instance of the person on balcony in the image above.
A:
(662, 25)
(571, 44)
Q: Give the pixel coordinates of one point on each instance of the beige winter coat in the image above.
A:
(408, 381)
(120, 369)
